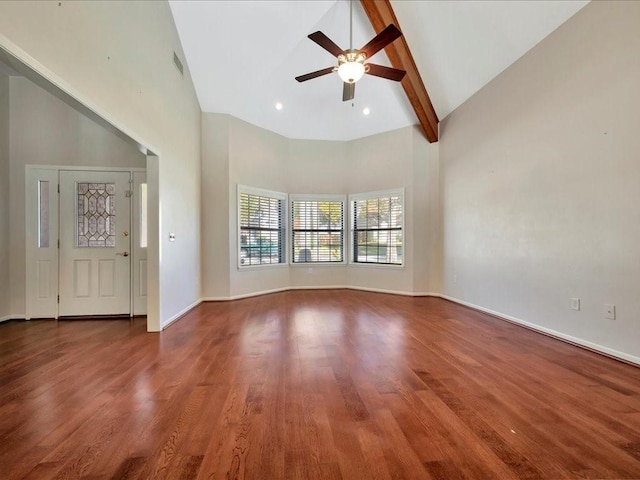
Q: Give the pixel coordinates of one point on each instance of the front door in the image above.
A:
(95, 243)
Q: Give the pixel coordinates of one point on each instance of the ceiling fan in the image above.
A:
(351, 63)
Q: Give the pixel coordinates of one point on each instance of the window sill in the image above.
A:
(318, 264)
(242, 268)
(390, 266)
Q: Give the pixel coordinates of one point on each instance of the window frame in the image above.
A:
(283, 197)
(318, 198)
(353, 198)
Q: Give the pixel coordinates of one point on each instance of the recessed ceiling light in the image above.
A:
(279, 106)
(366, 110)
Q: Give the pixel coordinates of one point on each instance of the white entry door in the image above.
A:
(95, 243)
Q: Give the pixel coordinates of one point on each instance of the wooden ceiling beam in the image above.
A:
(380, 15)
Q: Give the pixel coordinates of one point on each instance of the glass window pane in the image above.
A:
(143, 215)
(43, 214)
(96, 215)
(261, 229)
(378, 236)
(317, 231)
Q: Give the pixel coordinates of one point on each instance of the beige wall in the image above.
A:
(5, 278)
(258, 158)
(427, 265)
(215, 204)
(540, 184)
(117, 58)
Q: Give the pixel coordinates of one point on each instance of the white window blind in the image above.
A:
(378, 235)
(317, 230)
(262, 229)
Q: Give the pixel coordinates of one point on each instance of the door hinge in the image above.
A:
(58, 298)
(128, 193)
(58, 243)
(58, 188)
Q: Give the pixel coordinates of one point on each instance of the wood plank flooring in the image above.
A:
(312, 385)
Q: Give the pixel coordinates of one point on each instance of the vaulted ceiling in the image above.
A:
(243, 57)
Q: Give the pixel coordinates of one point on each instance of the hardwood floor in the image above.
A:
(312, 385)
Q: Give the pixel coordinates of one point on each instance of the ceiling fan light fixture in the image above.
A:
(351, 66)
(351, 72)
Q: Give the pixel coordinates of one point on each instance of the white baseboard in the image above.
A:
(244, 295)
(180, 314)
(12, 317)
(548, 331)
(317, 287)
(384, 290)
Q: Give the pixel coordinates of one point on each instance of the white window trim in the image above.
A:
(285, 223)
(377, 194)
(345, 218)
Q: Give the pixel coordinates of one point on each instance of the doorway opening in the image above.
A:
(15, 65)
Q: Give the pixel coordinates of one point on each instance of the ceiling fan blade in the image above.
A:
(348, 91)
(326, 43)
(385, 72)
(384, 38)
(319, 73)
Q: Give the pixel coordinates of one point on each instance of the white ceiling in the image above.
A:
(244, 55)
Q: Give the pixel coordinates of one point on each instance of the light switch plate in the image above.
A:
(575, 304)
(172, 237)
(609, 312)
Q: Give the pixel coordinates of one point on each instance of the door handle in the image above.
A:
(124, 254)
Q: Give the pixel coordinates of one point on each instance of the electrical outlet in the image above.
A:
(610, 312)
(575, 304)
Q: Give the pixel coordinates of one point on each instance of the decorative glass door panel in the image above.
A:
(96, 215)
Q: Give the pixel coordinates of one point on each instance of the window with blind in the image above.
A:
(378, 227)
(317, 229)
(262, 227)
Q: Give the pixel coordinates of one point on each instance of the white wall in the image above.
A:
(46, 131)
(259, 158)
(540, 184)
(117, 58)
(5, 276)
